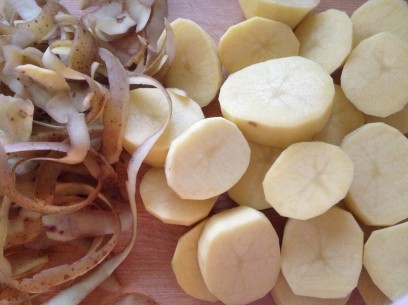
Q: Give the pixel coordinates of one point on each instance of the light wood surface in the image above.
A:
(149, 263)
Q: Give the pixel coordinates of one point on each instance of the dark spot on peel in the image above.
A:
(252, 124)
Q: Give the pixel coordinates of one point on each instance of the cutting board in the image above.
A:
(149, 263)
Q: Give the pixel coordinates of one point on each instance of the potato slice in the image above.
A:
(398, 120)
(386, 260)
(344, 118)
(322, 257)
(379, 193)
(161, 201)
(290, 12)
(207, 159)
(186, 268)
(318, 43)
(370, 292)
(147, 112)
(282, 294)
(196, 68)
(280, 101)
(307, 179)
(238, 254)
(376, 16)
(375, 75)
(248, 190)
(256, 40)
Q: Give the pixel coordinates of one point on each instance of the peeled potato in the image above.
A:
(147, 112)
(239, 256)
(307, 179)
(280, 101)
(344, 118)
(322, 257)
(375, 75)
(185, 265)
(398, 120)
(370, 293)
(386, 260)
(378, 195)
(318, 41)
(161, 201)
(207, 159)
(290, 12)
(256, 40)
(196, 68)
(376, 16)
(248, 190)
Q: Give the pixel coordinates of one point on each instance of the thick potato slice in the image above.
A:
(322, 257)
(147, 112)
(280, 101)
(239, 256)
(282, 294)
(370, 293)
(307, 179)
(376, 16)
(196, 68)
(375, 75)
(248, 190)
(185, 265)
(378, 195)
(290, 12)
(318, 43)
(256, 40)
(207, 159)
(398, 120)
(161, 201)
(386, 260)
(344, 118)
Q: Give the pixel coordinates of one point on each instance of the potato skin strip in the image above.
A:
(84, 50)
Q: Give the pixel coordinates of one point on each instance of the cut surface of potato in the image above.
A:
(162, 202)
(322, 256)
(290, 12)
(185, 265)
(196, 68)
(378, 195)
(375, 75)
(248, 190)
(282, 294)
(147, 112)
(386, 260)
(398, 120)
(307, 179)
(239, 256)
(255, 40)
(376, 16)
(370, 293)
(280, 101)
(207, 159)
(318, 43)
(344, 118)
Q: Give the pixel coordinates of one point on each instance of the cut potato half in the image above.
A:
(375, 75)
(161, 201)
(196, 68)
(280, 101)
(376, 16)
(207, 159)
(239, 256)
(318, 41)
(322, 256)
(370, 293)
(398, 120)
(386, 260)
(307, 179)
(255, 40)
(186, 268)
(248, 190)
(290, 12)
(147, 113)
(378, 195)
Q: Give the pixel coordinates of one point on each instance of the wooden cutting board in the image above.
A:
(149, 263)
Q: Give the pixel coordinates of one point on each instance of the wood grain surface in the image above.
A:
(148, 266)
